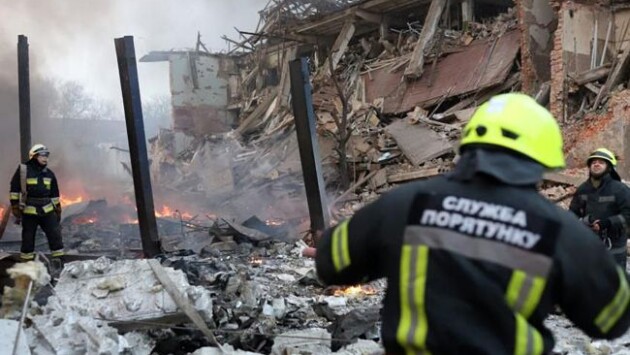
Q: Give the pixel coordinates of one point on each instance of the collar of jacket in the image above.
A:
(34, 164)
(508, 168)
(605, 180)
(612, 174)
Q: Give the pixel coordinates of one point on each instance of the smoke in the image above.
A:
(73, 41)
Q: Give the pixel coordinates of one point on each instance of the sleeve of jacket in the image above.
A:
(54, 190)
(576, 204)
(15, 190)
(348, 253)
(622, 198)
(594, 291)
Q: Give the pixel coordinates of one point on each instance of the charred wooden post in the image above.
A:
(24, 89)
(416, 63)
(302, 102)
(128, 70)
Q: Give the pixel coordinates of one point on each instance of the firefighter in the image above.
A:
(603, 203)
(35, 202)
(475, 260)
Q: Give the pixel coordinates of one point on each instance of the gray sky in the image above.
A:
(74, 39)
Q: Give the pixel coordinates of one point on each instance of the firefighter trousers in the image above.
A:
(50, 226)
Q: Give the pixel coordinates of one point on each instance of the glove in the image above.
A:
(604, 224)
(58, 212)
(586, 220)
(17, 213)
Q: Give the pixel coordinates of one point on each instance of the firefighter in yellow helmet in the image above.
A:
(475, 260)
(603, 203)
(35, 202)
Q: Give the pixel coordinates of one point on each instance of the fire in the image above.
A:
(274, 222)
(65, 200)
(168, 212)
(255, 261)
(354, 291)
(164, 212)
(130, 220)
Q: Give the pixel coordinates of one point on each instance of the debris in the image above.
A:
(313, 341)
(8, 332)
(183, 302)
(418, 143)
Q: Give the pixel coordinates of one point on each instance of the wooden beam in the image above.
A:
(284, 88)
(415, 175)
(416, 63)
(369, 16)
(342, 41)
(590, 75)
(616, 77)
(468, 13)
(181, 301)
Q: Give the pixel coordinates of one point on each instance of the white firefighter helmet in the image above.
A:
(37, 149)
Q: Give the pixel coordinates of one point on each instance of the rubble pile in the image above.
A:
(262, 299)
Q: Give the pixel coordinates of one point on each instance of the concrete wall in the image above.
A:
(200, 106)
(610, 129)
(579, 25)
(573, 43)
(537, 22)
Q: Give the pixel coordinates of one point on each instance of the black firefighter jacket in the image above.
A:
(610, 201)
(42, 189)
(474, 264)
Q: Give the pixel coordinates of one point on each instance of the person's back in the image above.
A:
(476, 260)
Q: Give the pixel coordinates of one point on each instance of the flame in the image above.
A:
(65, 200)
(255, 261)
(356, 291)
(130, 220)
(274, 222)
(169, 212)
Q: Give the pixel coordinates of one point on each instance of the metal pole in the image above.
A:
(24, 97)
(307, 141)
(22, 316)
(128, 70)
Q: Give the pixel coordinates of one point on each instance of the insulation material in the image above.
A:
(125, 290)
(34, 270)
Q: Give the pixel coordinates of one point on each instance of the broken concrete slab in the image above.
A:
(311, 341)
(362, 347)
(61, 330)
(136, 295)
(360, 322)
(418, 142)
(8, 332)
(227, 350)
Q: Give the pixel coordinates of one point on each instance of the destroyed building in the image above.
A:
(393, 83)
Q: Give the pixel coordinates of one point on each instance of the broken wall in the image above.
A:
(574, 52)
(537, 23)
(610, 129)
(200, 89)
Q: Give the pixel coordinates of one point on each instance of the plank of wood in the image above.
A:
(416, 63)
(418, 142)
(590, 75)
(414, 175)
(616, 76)
(341, 43)
(181, 301)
